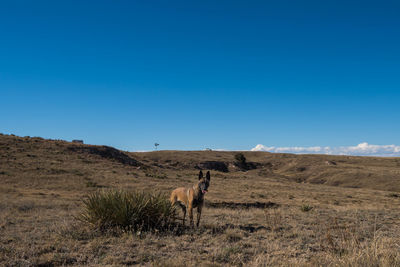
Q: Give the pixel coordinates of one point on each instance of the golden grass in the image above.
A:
(40, 194)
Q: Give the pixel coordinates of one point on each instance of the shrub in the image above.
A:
(241, 162)
(306, 208)
(129, 211)
(393, 195)
(240, 158)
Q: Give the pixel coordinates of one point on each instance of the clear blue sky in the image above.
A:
(197, 74)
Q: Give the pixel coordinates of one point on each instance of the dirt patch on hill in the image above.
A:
(243, 205)
(246, 166)
(212, 165)
(108, 153)
(220, 229)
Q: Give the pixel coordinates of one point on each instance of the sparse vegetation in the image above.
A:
(274, 219)
(154, 174)
(249, 219)
(233, 235)
(91, 183)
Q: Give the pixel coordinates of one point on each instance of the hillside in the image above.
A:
(277, 209)
(27, 157)
(348, 171)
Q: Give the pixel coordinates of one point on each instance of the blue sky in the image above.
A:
(204, 74)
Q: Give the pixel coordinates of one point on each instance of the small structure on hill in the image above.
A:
(77, 141)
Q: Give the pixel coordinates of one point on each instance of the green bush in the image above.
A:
(130, 211)
(306, 208)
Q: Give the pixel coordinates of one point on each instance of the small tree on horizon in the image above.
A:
(240, 158)
(241, 161)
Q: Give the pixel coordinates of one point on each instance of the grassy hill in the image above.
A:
(36, 157)
(277, 209)
(348, 171)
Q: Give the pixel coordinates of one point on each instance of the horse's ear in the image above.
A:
(208, 175)
(200, 175)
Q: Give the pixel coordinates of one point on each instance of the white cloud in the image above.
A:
(362, 149)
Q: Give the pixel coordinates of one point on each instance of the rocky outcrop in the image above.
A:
(212, 165)
(245, 166)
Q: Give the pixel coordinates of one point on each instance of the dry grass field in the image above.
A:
(279, 210)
